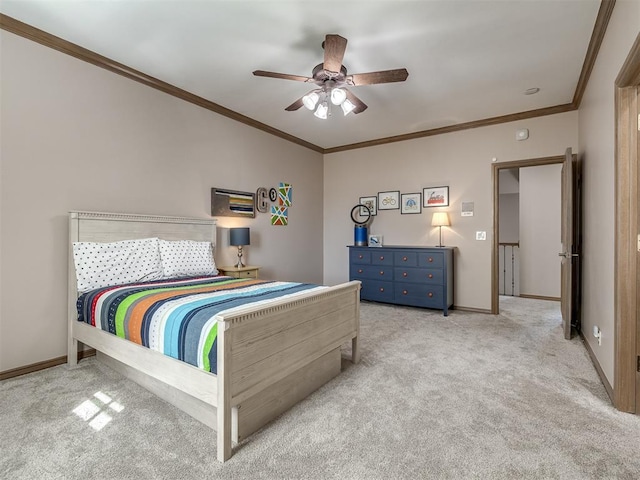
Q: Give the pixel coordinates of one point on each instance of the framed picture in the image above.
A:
(411, 203)
(232, 203)
(435, 197)
(375, 240)
(389, 200)
(371, 202)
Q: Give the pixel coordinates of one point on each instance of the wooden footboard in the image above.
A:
(259, 347)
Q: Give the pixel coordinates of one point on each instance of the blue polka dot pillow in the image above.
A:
(187, 258)
(116, 263)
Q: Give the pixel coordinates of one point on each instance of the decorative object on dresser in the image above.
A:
(240, 272)
(361, 226)
(404, 275)
(440, 219)
(239, 237)
(375, 240)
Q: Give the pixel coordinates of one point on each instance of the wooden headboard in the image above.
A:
(113, 227)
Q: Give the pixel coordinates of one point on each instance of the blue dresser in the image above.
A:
(415, 276)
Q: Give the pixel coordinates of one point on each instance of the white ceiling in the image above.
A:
(467, 59)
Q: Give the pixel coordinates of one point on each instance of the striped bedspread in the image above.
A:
(178, 317)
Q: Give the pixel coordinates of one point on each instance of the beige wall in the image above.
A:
(540, 241)
(461, 160)
(75, 136)
(596, 131)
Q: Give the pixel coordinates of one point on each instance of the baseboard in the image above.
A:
(36, 367)
(471, 309)
(540, 297)
(594, 360)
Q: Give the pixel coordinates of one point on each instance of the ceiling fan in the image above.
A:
(331, 77)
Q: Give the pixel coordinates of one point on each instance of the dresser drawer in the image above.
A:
(376, 291)
(431, 260)
(419, 295)
(375, 272)
(359, 256)
(418, 275)
(408, 259)
(381, 257)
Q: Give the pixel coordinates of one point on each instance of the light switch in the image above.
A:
(481, 235)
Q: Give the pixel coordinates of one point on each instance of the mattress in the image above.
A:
(179, 317)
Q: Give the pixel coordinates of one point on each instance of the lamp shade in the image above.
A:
(440, 219)
(239, 236)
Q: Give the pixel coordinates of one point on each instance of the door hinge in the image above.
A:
(639, 122)
(638, 366)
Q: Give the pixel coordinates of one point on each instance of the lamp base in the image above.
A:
(239, 264)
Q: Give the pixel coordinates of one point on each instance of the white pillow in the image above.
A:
(185, 258)
(117, 263)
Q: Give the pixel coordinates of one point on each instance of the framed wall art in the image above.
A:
(435, 197)
(232, 203)
(411, 203)
(389, 200)
(371, 202)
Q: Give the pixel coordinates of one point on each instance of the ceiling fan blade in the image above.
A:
(284, 76)
(383, 76)
(334, 48)
(295, 105)
(360, 105)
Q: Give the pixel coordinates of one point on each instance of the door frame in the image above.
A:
(626, 282)
(495, 179)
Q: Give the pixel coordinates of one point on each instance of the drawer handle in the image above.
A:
(430, 275)
(381, 272)
(404, 259)
(381, 257)
(360, 257)
(430, 259)
(430, 294)
(404, 274)
(382, 289)
(359, 270)
(404, 292)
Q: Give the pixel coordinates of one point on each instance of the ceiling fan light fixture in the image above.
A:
(322, 110)
(347, 107)
(338, 96)
(310, 100)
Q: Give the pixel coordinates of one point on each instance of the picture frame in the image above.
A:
(389, 200)
(375, 240)
(232, 203)
(371, 202)
(411, 203)
(435, 196)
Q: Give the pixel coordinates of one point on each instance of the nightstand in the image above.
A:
(243, 272)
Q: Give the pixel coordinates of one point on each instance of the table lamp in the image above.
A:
(440, 219)
(239, 237)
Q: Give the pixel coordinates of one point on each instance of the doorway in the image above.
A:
(497, 170)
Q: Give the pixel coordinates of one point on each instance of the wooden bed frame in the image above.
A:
(269, 357)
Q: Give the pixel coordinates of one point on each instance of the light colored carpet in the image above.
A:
(464, 396)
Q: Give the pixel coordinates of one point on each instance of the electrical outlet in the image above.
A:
(598, 334)
(481, 235)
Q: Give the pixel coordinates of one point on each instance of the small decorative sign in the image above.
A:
(467, 209)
